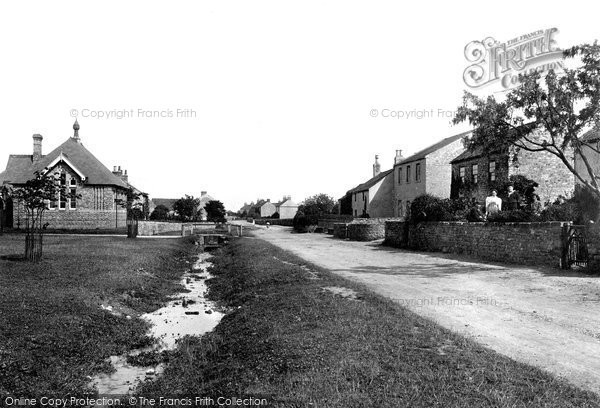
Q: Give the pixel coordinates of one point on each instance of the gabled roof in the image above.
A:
(288, 202)
(367, 185)
(434, 147)
(205, 199)
(167, 202)
(21, 168)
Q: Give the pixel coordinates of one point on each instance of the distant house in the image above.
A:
(286, 208)
(475, 174)
(204, 199)
(169, 202)
(245, 209)
(427, 171)
(262, 209)
(373, 198)
(166, 202)
(80, 172)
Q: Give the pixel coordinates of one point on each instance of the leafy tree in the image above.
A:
(543, 116)
(35, 197)
(160, 212)
(187, 208)
(135, 210)
(132, 203)
(215, 211)
(318, 204)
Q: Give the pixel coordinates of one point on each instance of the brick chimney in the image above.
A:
(125, 177)
(398, 157)
(203, 193)
(117, 171)
(37, 147)
(376, 166)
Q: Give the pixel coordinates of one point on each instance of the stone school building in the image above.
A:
(82, 173)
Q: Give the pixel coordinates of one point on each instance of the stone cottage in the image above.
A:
(374, 197)
(475, 174)
(82, 173)
(427, 171)
(262, 209)
(286, 208)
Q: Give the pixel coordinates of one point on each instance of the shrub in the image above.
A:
(275, 215)
(588, 205)
(161, 212)
(431, 208)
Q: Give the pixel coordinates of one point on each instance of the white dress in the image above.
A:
(493, 205)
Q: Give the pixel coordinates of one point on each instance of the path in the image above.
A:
(545, 317)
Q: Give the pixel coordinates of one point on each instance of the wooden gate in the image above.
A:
(576, 250)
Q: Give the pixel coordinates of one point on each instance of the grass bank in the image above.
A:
(53, 332)
(297, 344)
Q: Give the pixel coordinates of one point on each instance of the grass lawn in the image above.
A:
(299, 345)
(53, 333)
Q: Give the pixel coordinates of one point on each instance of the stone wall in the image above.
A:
(537, 243)
(327, 223)
(366, 231)
(94, 209)
(340, 230)
(362, 229)
(396, 234)
(149, 228)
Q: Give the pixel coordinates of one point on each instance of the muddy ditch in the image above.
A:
(187, 313)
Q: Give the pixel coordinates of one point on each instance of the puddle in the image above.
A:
(343, 292)
(188, 313)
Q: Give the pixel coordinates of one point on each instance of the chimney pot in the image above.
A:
(398, 157)
(376, 166)
(37, 147)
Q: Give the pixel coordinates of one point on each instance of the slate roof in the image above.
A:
(468, 154)
(368, 184)
(434, 147)
(287, 200)
(167, 202)
(21, 168)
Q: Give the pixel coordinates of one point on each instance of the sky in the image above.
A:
(249, 100)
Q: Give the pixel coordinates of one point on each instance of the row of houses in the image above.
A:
(264, 208)
(447, 170)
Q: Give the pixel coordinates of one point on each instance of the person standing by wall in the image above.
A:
(514, 199)
(493, 204)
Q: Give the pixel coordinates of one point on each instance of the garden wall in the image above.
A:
(148, 228)
(531, 243)
(286, 222)
(327, 223)
(361, 229)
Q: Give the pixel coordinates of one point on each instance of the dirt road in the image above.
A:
(545, 317)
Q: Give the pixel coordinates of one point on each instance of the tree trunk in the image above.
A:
(33, 247)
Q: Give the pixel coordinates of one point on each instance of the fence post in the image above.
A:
(564, 238)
